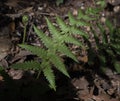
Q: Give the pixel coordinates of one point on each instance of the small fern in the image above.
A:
(62, 35)
(77, 22)
(108, 47)
(107, 50)
(55, 45)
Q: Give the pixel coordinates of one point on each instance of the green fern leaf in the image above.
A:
(1, 68)
(83, 16)
(64, 50)
(109, 25)
(48, 73)
(69, 39)
(104, 35)
(35, 50)
(82, 23)
(116, 47)
(95, 37)
(110, 52)
(53, 30)
(71, 19)
(75, 30)
(116, 40)
(93, 11)
(102, 60)
(29, 65)
(76, 22)
(63, 26)
(117, 66)
(57, 62)
(46, 40)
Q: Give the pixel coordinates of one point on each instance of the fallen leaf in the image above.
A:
(83, 59)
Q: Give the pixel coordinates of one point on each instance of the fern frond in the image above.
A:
(71, 19)
(48, 73)
(103, 33)
(57, 62)
(110, 52)
(83, 16)
(76, 22)
(45, 39)
(95, 37)
(82, 23)
(102, 59)
(92, 11)
(40, 52)
(63, 26)
(75, 30)
(109, 25)
(1, 68)
(28, 65)
(115, 46)
(53, 30)
(117, 66)
(72, 40)
(64, 50)
(116, 40)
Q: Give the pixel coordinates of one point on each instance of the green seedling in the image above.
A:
(25, 22)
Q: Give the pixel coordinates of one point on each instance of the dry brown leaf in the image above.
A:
(5, 45)
(12, 3)
(12, 27)
(83, 59)
(1, 78)
(21, 55)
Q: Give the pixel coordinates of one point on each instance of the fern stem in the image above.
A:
(39, 74)
(24, 34)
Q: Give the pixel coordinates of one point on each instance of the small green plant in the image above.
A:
(25, 22)
(62, 35)
(55, 46)
(106, 51)
(107, 48)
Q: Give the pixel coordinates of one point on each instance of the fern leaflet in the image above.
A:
(64, 50)
(46, 40)
(83, 16)
(57, 62)
(75, 30)
(78, 23)
(53, 30)
(28, 65)
(40, 52)
(69, 39)
(63, 26)
(48, 73)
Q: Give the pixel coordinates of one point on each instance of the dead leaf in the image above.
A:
(20, 55)
(12, 27)
(15, 74)
(83, 59)
(1, 78)
(12, 3)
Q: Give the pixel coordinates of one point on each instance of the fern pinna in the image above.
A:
(54, 46)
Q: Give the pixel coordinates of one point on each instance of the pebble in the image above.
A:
(116, 9)
(103, 19)
(75, 12)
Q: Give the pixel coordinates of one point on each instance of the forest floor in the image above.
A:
(85, 84)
